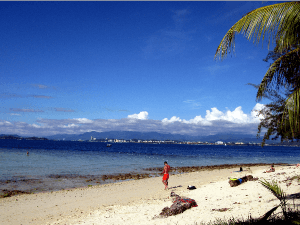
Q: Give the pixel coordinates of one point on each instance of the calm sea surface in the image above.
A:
(94, 158)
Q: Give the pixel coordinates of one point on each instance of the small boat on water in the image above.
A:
(108, 145)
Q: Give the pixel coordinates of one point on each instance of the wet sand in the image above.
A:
(140, 200)
(56, 182)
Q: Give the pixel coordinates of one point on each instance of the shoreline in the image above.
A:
(121, 202)
(68, 181)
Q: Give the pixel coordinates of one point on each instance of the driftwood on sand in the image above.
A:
(180, 204)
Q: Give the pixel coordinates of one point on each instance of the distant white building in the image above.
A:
(219, 143)
(120, 141)
(93, 139)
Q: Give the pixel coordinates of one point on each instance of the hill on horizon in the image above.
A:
(127, 135)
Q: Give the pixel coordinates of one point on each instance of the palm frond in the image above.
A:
(283, 71)
(273, 23)
(278, 193)
(293, 109)
(274, 188)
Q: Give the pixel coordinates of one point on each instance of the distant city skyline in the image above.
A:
(76, 67)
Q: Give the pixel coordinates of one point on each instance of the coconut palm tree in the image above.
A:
(279, 24)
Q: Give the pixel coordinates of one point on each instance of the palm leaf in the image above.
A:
(293, 110)
(278, 193)
(276, 23)
(274, 188)
(282, 72)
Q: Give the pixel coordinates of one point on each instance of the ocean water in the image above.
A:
(94, 158)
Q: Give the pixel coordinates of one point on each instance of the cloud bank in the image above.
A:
(214, 122)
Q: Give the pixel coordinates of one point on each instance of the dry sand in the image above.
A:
(139, 201)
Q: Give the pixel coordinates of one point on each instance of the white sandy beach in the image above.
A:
(139, 201)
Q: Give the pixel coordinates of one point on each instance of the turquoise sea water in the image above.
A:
(94, 158)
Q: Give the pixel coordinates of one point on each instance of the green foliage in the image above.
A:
(283, 72)
(278, 24)
(293, 111)
(278, 193)
(274, 189)
(275, 119)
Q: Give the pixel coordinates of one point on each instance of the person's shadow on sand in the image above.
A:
(175, 187)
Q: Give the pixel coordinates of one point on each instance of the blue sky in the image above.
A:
(74, 67)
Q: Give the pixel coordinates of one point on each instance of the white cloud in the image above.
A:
(198, 120)
(193, 103)
(5, 123)
(141, 116)
(172, 120)
(70, 125)
(215, 114)
(25, 110)
(15, 114)
(215, 121)
(63, 110)
(236, 116)
(40, 96)
(83, 120)
(35, 126)
(41, 86)
(254, 112)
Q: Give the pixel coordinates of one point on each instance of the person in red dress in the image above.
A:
(166, 175)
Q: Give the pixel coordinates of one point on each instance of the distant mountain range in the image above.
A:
(17, 137)
(127, 135)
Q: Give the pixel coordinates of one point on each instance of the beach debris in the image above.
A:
(180, 204)
(221, 210)
(281, 173)
(237, 181)
(190, 187)
(8, 193)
